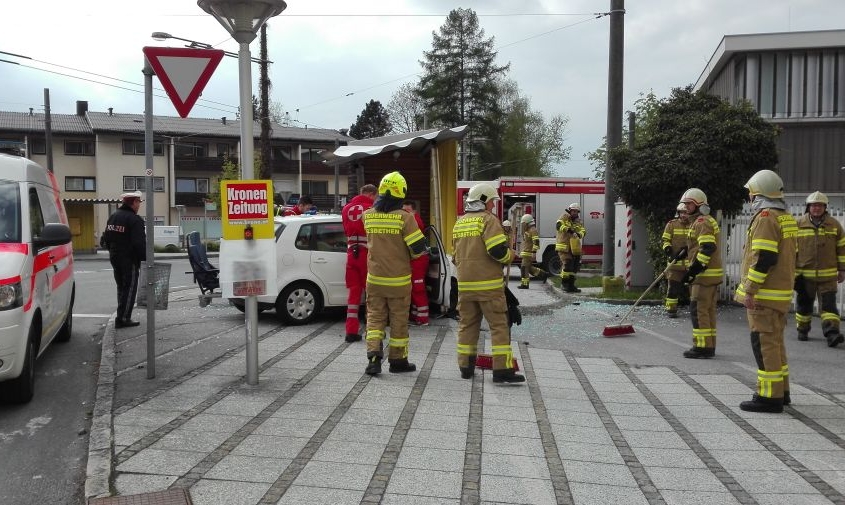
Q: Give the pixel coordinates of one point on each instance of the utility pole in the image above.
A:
(264, 106)
(48, 129)
(616, 60)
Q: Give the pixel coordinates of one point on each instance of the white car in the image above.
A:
(311, 269)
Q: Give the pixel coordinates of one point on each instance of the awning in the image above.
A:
(407, 141)
(91, 200)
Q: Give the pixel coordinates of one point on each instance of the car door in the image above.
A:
(328, 260)
(42, 270)
(60, 259)
(442, 291)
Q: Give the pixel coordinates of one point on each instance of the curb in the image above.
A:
(101, 439)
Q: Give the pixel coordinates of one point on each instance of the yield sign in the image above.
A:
(183, 72)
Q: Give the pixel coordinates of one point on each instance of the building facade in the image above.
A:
(99, 155)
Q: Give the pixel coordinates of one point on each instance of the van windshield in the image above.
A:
(10, 216)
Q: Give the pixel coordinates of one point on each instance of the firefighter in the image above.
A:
(356, 257)
(820, 266)
(704, 273)
(765, 288)
(481, 249)
(419, 268)
(530, 246)
(570, 233)
(393, 240)
(674, 240)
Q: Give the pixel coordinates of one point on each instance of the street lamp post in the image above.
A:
(242, 19)
(193, 44)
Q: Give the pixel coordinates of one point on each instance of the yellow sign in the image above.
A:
(247, 209)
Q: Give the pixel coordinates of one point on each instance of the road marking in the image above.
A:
(95, 316)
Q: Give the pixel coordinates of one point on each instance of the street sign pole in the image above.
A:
(148, 156)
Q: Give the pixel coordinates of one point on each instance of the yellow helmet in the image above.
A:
(393, 184)
(526, 218)
(817, 197)
(482, 192)
(766, 183)
(695, 196)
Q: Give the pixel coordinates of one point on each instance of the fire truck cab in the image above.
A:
(545, 198)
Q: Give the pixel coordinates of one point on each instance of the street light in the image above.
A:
(242, 19)
(193, 44)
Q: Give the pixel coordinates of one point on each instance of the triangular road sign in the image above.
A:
(183, 72)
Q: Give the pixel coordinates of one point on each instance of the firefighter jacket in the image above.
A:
(530, 242)
(481, 249)
(675, 236)
(704, 249)
(125, 235)
(567, 229)
(821, 249)
(393, 239)
(768, 271)
(353, 223)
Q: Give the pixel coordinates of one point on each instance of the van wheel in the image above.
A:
(67, 327)
(21, 390)
(298, 304)
(552, 264)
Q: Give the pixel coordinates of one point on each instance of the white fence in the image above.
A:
(733, 240)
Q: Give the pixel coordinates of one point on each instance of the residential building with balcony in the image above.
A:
(99, 155)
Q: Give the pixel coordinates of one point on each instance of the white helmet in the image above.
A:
(681, 207)
(573, 207)
(694, 195)
(817, 197)
(483, 192)
(527, 218)
(506, 223)
(766, 183)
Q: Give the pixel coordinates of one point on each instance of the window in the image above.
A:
(79, 147)
(191, 149)
(36, 219)
(10, 219)
(280, 153)
(133, 183)
(225, 150)
(311, 155)
(37, 146)
(80, 184)
(191, 185)
(137, 147)
(315, 187)
(330, 237)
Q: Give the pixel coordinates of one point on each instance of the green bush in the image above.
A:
(212, 246)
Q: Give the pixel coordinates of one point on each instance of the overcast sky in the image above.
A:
(331, 57)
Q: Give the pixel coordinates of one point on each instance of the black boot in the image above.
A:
(542, 275)
(761, 404)
(353, 337)
(786, 399)
(401, 366)
(373, 364)
(467, 372)
(523, 284)
(569, 285)
(700, 353)
(507, 375)
(803, 335)
(834, 338)
(672, 314)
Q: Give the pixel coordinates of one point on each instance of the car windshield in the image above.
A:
(10, 218)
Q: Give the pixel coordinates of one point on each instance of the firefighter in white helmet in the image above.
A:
(570, 233)
(674, 241)
(765, 288)
(528, 251)
(481, 250)
(393, 239)
(704, 273)
(820, 266)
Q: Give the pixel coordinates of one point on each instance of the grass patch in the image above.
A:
(595, 281)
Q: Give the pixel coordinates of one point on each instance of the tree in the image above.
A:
(406, 110)
(644, 110)
(372, 122)
(693, 140)
(459, 82)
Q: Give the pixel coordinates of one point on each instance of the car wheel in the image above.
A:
(552, 264)
(67, 327)
(22, 389)
(298, 303)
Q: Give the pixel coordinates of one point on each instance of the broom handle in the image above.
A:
(634, 306)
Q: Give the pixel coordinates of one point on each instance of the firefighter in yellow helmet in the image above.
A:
(481, 249)
(528, 251)
(393, 239)
(765, 288)
(704, 273)
(674, 240)
(820, 266)
(570, 233)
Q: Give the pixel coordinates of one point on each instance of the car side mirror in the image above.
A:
(51, 235)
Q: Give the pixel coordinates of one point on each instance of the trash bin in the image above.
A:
(161, 285)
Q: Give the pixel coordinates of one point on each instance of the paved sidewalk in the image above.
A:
(316, 430)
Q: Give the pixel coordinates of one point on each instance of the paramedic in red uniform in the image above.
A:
(356, 256)
(419, 267)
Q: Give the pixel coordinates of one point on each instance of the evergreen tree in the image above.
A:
(372, 122)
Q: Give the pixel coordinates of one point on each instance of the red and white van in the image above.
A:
(36, 272)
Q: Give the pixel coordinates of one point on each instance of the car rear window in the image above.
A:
(10, 218)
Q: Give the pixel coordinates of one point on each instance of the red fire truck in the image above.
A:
(545, 198)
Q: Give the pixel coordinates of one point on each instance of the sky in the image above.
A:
(331, 57)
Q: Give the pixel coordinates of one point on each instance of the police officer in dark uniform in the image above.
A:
(126, 240)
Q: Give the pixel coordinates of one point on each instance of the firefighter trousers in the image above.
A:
(126, 277)
(570, 265)
(469, 328)
(703, 314)
(356, 283)
(675, 289)
(419, 295)
(827, 306)
(767, 344)
(381, 313)
(527, 270)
